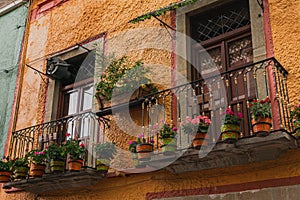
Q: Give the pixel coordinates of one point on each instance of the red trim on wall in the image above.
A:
(226, 188)
(173, 65)
(44, 7)
(270, 53)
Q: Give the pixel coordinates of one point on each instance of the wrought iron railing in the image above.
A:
(209, 96)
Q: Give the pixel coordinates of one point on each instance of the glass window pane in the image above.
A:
(73, 103)
(87, 98)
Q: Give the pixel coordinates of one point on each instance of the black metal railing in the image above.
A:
(209, 96)
(85, 127)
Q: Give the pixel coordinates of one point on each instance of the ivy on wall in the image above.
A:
(163, 10)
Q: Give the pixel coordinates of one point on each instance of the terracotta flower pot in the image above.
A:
(37, 170)
(144, 151)
(57, 166)
(230, 133)
(75, 165)
(20, 172)
(102, 166)
(169, 146)
(5, 176)
(261, 126)
(200, 140)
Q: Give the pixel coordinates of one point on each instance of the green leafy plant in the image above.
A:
(74, 148)
(166, 131)
(260, 108)
(159, 12)
(198, 124)
(20, 162)
(6, 165)
(55, 152)
(120, 77)
(37, 156)
(106, 150)
(232, 118)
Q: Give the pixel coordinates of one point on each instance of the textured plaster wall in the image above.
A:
(75, 21)
(11, 31)
(285, 17)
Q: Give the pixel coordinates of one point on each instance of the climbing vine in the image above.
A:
(159, 12)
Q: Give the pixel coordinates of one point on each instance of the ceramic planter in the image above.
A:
(5, 176)
(102, 165)
(57, 166)
(37, 170)
(20, 172)
(230, 133)
(261, 126)
(75, 165)
(200, 140)
(144, 151)
(169, 146)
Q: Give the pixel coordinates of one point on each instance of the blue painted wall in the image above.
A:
(12, 27)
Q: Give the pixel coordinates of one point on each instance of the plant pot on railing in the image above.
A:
(200, 140)
(169, 146)
(261, 126)
(57, 166)
(5, 176)
(230, 132)
(20, 172)
(102, 165)
(75, 165)
(37, 170)
(144, 151)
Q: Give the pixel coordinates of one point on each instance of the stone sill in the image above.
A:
(245, 150)
(55, 182)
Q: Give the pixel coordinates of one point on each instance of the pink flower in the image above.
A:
(181, 123)
(82, 145)
(152, 141)
(229, 111)
(130, 142)
(67, 134)
(188, 119)
(207, 121)
(298, 105)
(155, 126)
(195, 121)
(47, 147)
(174, 128)
(240, 115)
(140, 135)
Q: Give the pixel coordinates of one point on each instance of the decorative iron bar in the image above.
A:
(85, 127)
(204, 96)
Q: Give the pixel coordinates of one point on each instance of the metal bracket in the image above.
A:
(261, 4)
(40, 73)
(166, 26)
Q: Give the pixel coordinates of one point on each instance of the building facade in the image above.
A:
(241, 50)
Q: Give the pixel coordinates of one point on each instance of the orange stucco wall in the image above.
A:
(285, 17)
(75, 21)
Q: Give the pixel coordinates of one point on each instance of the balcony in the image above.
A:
(209, 96)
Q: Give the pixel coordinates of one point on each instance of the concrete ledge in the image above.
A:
(245, 150)
(55, 182)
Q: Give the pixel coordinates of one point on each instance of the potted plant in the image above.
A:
(122, 77)
(197, 128)
(144, 149)
(37, 166)
(76, 152)
(167, 135)
(56, 157)
(20, 167)
(295, 120)
(104, 153)
(5, 170)
(261, 116)
(231, 127)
